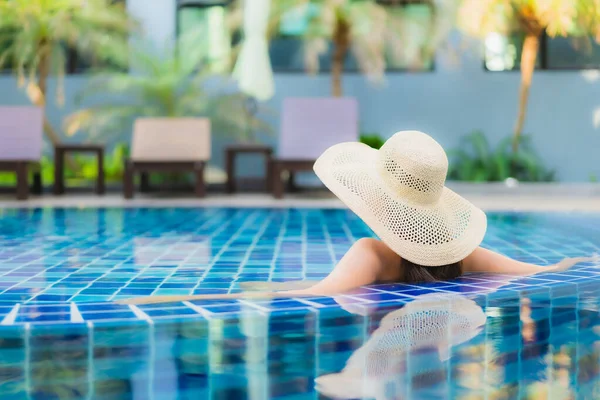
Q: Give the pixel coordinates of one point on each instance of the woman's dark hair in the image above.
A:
(415, 273)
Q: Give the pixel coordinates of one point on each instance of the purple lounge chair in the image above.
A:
(21, 138)
(309, 126)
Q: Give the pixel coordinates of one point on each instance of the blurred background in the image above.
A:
(510, 88)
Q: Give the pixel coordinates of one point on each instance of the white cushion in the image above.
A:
(171, 139)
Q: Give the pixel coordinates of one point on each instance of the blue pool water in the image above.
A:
(478, 337)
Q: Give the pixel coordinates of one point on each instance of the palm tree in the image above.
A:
(35, 36)
(533, 18)
(371, 30)
(340, 22)
(168, 83)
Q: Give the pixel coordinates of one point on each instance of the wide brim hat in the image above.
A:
(399, 192)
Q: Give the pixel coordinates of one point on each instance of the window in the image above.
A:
(409, 18)
(412, 19)
(79, 64)
(5, 44)
(208, 17)
(503, 53)
(566, 53)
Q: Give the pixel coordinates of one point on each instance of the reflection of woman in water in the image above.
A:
(382, 368)
(427, 232)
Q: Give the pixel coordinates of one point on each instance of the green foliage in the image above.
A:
(114, 163)
(170, 83)
(87, 169)
(36, 34)
(476, 161)
(372, 139)
(113, 166)
(573, 18)
(47, 168)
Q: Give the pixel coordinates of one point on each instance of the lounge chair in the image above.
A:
(168, 145)
(21, 138)
(309, 126)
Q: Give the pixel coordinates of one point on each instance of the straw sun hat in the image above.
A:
(399, 192)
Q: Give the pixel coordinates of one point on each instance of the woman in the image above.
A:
(427, 232)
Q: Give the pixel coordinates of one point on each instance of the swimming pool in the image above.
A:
(476, 337)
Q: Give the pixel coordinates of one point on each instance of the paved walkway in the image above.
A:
(490, 197)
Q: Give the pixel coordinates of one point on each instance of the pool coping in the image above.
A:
(110, 313)
(488, 196)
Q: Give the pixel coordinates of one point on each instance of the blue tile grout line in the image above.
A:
(90, 360)
(76, 316)
(62, 266)
(9, 319)
(277, 248)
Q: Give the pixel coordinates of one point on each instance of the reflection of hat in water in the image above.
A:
(431, 320)
(399, 192)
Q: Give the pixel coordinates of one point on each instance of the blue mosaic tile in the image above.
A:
(96, 307)
(381, 296)
(40, 318)
(92, 316)
(53, 297)
(281, 304)
(4, 311)
(329, 301)
(166, 312)
(418, 292)
(45, 309)
(222, 309)
(466, 289)
(53, 258)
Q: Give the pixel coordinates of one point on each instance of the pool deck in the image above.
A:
(489, 196)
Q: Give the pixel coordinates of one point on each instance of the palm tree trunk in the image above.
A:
(528, 59)
(341, 43)
(40, 100)
(39, 97)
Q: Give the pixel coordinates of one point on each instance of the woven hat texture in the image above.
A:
(399, 191)
(430, 321)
